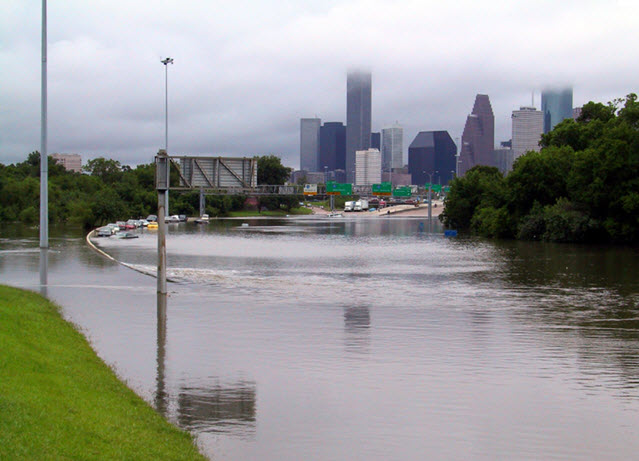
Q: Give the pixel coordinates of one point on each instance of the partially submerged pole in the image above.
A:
(162, 185)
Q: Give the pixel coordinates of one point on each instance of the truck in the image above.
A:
(361, 205)
(348, 206)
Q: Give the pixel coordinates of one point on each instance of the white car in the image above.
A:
(172, 219)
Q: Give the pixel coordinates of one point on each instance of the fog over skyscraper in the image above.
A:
(309, 144)
(556, 106)
(358, 117)
(478, 138)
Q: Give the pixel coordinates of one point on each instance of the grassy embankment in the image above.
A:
(58, 400)
(273, 213)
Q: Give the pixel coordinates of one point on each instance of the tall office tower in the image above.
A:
(556, 106)
(392, 147)
(432, 152)
(358, 117)
(528, 126)
(478, 138)
(309, 143)
(376, 140)
(332, 146)
(368, 167)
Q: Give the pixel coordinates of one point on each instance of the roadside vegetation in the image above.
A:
(582, 187)
(58, 400)
(109, 191)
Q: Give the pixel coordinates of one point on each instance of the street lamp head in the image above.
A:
(167, 61)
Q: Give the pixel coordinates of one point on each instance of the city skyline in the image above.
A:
(239, 87)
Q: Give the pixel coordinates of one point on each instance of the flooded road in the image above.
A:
(367, 339)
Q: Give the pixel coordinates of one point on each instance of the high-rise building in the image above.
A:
(358, 117)
(434, 153)
(556, 106)
(332, 146)
(478, 138)
(368, 167)
(528, 126)
(392, 147)
(309, 144)
(376, 141)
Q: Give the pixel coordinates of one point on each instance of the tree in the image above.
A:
(110, 171)
(271, 171)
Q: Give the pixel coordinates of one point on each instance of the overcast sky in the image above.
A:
(246, 71)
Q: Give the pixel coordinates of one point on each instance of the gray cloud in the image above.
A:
(245, 73)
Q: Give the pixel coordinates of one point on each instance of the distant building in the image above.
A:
(332, 146)
(71, 162)
(528, 126)
(576, 112)
(309, 143)
(434, 153)
(478, 138)
(504, 159)
(307, 177)
(368, 167)
(358, 117)
(376, 141)
(397, 177)
(556, 106)
(392, 147)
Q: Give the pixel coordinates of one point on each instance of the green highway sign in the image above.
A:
(335, 188)
(446, 189)
(384, 188)
(433, 187)
(403, 192)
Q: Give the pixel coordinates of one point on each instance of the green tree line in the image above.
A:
(583, 186)
(109, 191)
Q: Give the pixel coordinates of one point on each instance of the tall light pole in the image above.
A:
(44, 160)
(166, 63)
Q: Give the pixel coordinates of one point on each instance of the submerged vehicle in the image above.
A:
(204, 219)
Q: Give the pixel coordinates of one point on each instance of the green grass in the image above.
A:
(58, 400)
(274, 213)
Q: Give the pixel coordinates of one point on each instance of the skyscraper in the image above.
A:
(528, 126)
(556, 106)
(332, 146)
(358, 117)
(392, 147)
(309, 144)
(432, 152)
(478, 138)
(368, 167)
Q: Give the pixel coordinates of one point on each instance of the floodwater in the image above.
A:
(360, 339)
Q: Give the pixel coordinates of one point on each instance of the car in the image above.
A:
(152, 218)
(182, 217)
(173, 219)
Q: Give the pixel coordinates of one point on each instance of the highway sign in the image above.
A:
(403, 192)
(310, 189)
(335, 188)
(433, 187)
(384, 188)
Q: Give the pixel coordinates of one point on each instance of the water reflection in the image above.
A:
(357, 322)
(161, 396)
(228, 408)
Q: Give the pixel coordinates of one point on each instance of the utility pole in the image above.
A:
(44, 159)
(166, 62)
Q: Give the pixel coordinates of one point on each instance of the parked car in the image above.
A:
(172, 219)
(182, 217)
(152, 218)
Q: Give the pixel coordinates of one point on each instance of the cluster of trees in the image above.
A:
(111, 191)
(582, 187)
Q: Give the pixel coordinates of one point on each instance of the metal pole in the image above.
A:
(44, 160)
(430, 203)
(166, 63)
(161, 243)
